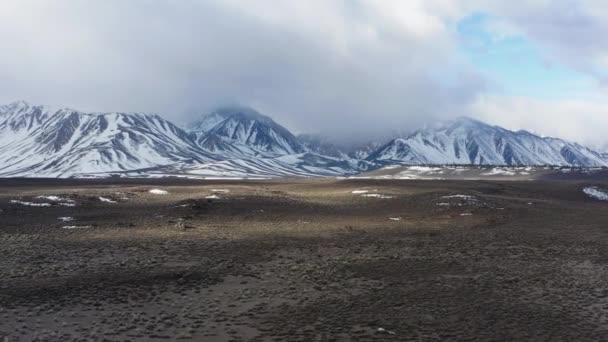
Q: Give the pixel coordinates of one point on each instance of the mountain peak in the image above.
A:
(16, 106)
(247, 127)
(465, 121)
(19, 103)
(469, 141)
(240, 111)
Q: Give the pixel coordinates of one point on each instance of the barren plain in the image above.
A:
(302, 260)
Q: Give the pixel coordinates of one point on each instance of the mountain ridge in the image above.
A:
(468, 141)
(254, 134)
(40, 141)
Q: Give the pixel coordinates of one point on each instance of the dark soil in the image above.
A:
(303, 260)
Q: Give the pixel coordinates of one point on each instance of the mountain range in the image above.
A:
(38, 141)
(468, 141)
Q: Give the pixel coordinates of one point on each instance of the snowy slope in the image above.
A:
(243, 132)
(38, 141)
(467, 141)
(295, 165)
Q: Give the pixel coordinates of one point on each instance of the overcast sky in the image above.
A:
(339, 67)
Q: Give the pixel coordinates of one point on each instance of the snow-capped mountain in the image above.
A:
(243, 132)
(326, 146)
(467, 141)
(294, 165)
(322, 145)
(37, 141)
(40, 141)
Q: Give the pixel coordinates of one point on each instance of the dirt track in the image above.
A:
(302, 261)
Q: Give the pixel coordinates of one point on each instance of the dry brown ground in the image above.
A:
(303, 260)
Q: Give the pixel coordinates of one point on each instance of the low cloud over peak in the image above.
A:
(334, 67)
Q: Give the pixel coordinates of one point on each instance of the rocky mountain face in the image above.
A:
(248, 132)
(326, 146)
(467, 141)
(38, 141)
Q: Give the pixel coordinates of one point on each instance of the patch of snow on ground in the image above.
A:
(220, 190)
(52, 198)
(65, 218)
(159, 192)
(104, 199)
(466, 197)
(66, 202)
(499, 171)
(31, 204)
(459, 200)
(382, 330)
(395, 218)
(596, 193)
(425, 169)
(358, 192)
(402, 176)
(76, 227)
(122, 195)
(377, 196)
(213, 197)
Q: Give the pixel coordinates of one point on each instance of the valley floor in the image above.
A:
(302, 260)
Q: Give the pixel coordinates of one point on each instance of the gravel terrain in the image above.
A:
(302, 260)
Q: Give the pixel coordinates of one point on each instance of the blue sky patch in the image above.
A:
(515, 64)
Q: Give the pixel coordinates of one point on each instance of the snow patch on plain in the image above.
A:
(159, 192)
(54, 198)
(66, 202)
(381, 196)
(31, 204)
(596, 193)
(76, 227)
(465, 197)
(499, 171)
(105, 199)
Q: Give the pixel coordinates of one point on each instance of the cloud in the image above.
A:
(569, 31)
(340, 67)
(578, 120)
(334, 66)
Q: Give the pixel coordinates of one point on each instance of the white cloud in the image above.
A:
(568, 31)
(579, 120)
(316, 65)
